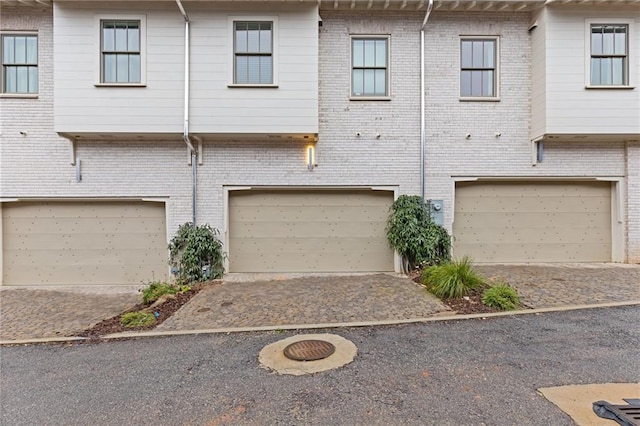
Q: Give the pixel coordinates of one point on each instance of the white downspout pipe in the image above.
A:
(185, 134)
(423, 141)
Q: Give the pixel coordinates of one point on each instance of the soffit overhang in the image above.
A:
(392, 5)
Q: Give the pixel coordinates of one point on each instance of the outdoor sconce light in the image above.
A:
(311, 157)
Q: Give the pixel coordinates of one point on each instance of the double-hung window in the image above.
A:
(479, 67)
(253, 52)
(120, 52)
(20, 63)
(369, 67)
(609, 55)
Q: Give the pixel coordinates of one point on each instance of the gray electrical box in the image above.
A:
(436, 209)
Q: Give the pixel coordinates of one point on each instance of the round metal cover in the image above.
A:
(309, 350)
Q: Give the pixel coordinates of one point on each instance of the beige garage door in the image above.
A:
(304, 231)
(65, 243)
(533, 221)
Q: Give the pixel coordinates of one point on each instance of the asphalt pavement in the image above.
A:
(457, 372)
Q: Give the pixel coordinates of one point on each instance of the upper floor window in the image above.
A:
(253, 52)
(120, 51)
(369, 67)
(609, 49)
(479, 67)
(20, 63)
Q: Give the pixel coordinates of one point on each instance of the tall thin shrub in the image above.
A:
(196, 253)
(412, 233)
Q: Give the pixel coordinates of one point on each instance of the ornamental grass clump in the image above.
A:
(156, 290)
(454, 279)
(137, 319)
(501, 297)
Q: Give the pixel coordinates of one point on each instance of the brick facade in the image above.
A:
(387, 152)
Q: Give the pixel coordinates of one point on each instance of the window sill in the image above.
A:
(19, 95)
(252, 86)
(120, 85)
(370, 98)
(479, 99)
(610, 87)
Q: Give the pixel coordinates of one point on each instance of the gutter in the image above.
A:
(422, 104)
(185, 134)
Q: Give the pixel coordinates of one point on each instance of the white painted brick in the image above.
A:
(38, 165)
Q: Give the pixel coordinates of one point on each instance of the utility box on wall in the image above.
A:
(436, 210)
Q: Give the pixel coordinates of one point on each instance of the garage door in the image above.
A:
(302, 231)
(533, 221)
(79, 243)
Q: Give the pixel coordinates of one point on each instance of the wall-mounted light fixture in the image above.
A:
(311, 157)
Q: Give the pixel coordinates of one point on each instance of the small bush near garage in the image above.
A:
(156, 290)
(454, 279)
(501, 297)
(412, 233)
(196, 254)
(137, 319)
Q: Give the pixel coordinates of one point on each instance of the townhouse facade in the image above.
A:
(292, 126)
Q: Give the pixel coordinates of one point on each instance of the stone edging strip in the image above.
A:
(436, 317)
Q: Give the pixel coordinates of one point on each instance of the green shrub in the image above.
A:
(454, 279)
(156, 290)
(412, 233)
(501, 297)
(137, 319)
(196, 254)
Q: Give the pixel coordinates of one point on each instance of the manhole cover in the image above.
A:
(309, 350)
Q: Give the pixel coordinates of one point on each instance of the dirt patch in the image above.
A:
(162, 312)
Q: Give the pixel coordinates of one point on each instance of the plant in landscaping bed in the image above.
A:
(137, 319)
(412, 233)
(196, 253)
(454, 279)
(501, 297)
(156, 290)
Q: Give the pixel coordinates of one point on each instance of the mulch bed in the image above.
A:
(164, 310)
(470, 304)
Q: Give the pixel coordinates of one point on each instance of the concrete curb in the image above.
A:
(42, 340)
(434, 318)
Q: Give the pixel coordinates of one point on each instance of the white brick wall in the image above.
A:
(633, 202)
(37, 165)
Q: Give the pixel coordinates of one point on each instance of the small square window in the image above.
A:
(120, 52)
(19, 63)
(253, 52)
(609, 62)
(369, 67)
(479, 67)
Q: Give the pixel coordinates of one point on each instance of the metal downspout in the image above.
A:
(422, 105)
(185, 134)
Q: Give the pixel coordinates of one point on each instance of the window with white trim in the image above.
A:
(609, 64)
(253, 52)
(120, 51)
(369, 67)
(479, 67)
(19, 63)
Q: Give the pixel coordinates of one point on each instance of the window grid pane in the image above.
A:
(121, 59)
(253, 48)
(478, 68)
(369, 67)
(19, 64)
(609, 55)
